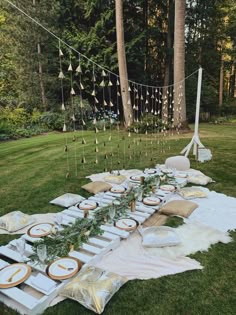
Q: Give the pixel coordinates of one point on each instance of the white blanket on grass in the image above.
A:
(194, 237)
(134, 261)
(217, 211)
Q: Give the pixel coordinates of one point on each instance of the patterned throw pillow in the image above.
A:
(192, 193)
(115, 179)
(200, 180)
(93, 288)
(15, 221)
(96, 187)
(182, 208)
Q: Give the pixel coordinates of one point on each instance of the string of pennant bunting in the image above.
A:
(84, 81)
(153, 108)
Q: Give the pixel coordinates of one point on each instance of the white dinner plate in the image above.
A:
(167, 170)
(167, 187)
(13, 275)
(150, 171)
(87, 205)
(117, 189)
(135, 178)
(151, 201)
(40, 230)
(126, 224)
(63, 268)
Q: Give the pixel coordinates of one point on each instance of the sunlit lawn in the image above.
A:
(33, 171)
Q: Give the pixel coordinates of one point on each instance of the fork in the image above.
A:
(65, 268)
(128, 225)
(13, 275)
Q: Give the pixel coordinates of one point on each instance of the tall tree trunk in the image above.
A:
(221, 85)
(127, 107)
(232, 80)
(42, 89)
(179, 64)
(145, 27)
(169, 59)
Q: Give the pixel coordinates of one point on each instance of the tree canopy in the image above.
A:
(29, 55)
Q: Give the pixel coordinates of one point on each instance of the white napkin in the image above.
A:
(3, 264)
(42, 282)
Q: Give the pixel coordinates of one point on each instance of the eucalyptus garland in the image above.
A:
(60, 242)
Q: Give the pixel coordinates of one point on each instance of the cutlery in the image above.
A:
(129, 225)
(41, 230)
(65, 268)
(13, 275)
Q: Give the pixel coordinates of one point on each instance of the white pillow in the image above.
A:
(16, 220)
(179, 162)
(199, 180)
(159, 236)
(67, 200)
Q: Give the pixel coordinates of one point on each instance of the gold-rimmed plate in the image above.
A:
(117, 189)
(63, 268)
(167, 187)
(126, 224)
(13, 275)
(87, 205)
(40, 230)
(150, 171)
(151, 201)
(167, 170)
(136, 178)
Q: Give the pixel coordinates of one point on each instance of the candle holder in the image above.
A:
(132, 205)
(86, 213)
(142, 178)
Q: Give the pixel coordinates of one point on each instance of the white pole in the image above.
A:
(195, 139)
(199, 87)
(196, 127)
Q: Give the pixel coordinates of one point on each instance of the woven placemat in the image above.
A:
(156, 220)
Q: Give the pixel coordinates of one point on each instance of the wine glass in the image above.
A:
(100, 197)
(42, 253)
(112, 213)
(20, 244)
(140, 195)
(58, 220)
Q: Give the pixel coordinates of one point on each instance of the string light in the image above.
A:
(104, 70)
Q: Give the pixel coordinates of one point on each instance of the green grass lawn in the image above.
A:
(33, 171)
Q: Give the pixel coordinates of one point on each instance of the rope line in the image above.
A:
(88, 59)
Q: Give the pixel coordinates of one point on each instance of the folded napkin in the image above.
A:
(3, 264)
(43, 283)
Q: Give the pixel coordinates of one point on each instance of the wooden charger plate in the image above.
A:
(45, 229)
(13, 275)
(87, 205)
(126, 224)
(135, 178)
(63, 268)
(151, 201)
(150, 171)
(118, 189)
(167, 187)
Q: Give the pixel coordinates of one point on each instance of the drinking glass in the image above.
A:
(140, 195)
(112, 213)
(100, 197)
(42, 253)
(58, 220)
(20, 244)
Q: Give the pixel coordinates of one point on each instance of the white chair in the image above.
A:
(179, 162)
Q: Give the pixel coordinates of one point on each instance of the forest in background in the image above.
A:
(29, 85)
